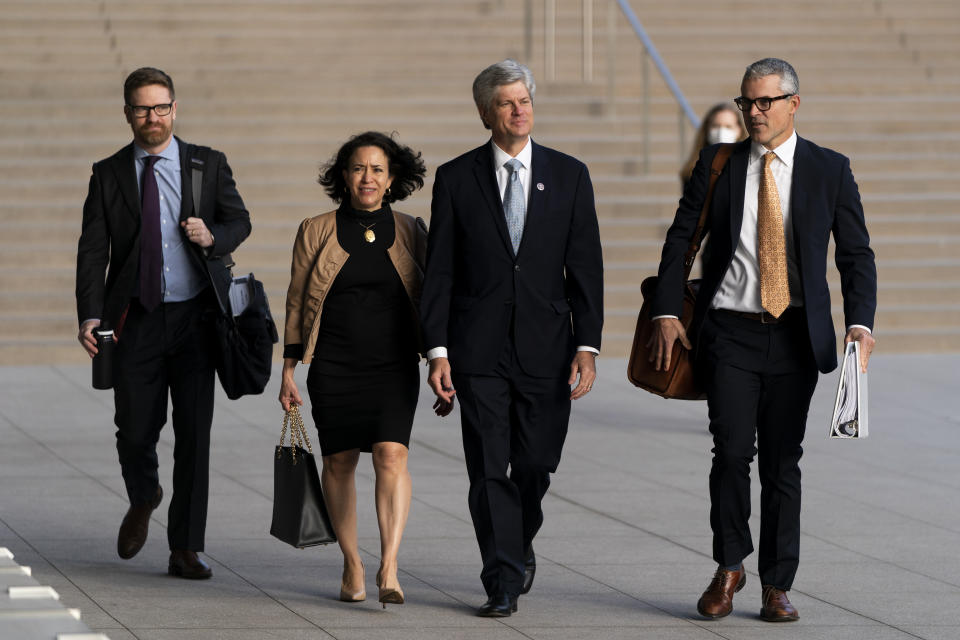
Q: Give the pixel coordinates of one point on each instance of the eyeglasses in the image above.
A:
(764, 104)
(142, 111)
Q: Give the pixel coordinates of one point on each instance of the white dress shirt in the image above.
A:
(740, 288)
(500, 158)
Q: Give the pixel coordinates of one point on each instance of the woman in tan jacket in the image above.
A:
(352, 316)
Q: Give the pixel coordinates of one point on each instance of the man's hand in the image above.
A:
(86, 337)
(666, 331)
(440, 381)
(584, 364)
(866, 340)
(442, 408)
(197, 232)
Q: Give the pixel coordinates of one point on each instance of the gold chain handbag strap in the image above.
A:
(298, 434)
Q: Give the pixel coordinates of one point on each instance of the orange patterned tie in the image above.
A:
(771, 245)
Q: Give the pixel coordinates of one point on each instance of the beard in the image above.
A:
(153, 134)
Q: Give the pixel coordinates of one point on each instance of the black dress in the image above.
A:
(364, 378)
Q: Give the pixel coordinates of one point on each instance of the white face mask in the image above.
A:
(717, 135)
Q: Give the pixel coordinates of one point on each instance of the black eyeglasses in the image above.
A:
(142, 111)
(745, 104)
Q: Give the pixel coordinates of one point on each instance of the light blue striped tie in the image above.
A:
(514, 204)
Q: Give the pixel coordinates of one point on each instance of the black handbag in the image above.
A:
(300, 515)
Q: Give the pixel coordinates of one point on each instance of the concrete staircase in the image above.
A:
(279, 85)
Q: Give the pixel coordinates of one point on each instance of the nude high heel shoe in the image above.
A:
(388, 595)
(348, 596)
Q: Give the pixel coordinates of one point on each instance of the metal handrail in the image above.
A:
(657, 60)
(686, 114)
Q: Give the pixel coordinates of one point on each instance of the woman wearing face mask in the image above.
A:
(352, 316)
(722, 123)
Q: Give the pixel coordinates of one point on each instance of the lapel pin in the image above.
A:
(539, 186)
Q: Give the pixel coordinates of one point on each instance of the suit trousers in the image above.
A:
(759, 380)
(509, 419)
(167, 350)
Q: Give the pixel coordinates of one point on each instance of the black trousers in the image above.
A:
(509, 419)
(759, 380)
(167, 351)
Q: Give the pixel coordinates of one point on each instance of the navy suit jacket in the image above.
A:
(111, 228)
(475, 289)
(824, 200)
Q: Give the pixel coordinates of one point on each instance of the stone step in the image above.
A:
(276, 231)
(921, 294)
(465, 120)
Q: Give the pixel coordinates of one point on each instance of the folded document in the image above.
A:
(850, 409)
(241, 292)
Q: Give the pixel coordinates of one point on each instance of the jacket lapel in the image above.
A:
(486, 178)
(126, 173)
(798, 196)
(537, 200)
(738, 184)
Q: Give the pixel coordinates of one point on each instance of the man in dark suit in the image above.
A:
(161, 253)
(762, 325)
(512, 311)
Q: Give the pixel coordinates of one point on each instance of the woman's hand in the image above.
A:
(289, 394)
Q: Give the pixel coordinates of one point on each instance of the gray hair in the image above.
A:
(497, 75)
(789, 82)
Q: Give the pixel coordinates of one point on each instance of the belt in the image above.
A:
(762, 317)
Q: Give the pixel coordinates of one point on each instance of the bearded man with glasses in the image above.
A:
(762, 325)
(161, 253)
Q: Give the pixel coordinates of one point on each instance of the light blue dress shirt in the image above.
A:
(181, 280)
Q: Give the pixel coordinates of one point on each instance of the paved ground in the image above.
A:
(624, 552)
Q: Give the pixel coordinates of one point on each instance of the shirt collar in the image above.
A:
(500, 156)
(172, 152)
(784, 152)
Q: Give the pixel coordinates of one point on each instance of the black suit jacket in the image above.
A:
(111, 228)
(475, 289)
(824, 200)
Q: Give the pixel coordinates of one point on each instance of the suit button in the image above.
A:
(516, 267)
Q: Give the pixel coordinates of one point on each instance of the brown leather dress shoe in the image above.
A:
(776, 606)
(133, 529)
(187, 564)
(717, 600)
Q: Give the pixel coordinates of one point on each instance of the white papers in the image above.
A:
(241, 291)
(850, 409)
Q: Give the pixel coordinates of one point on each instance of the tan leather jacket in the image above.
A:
(318, 258)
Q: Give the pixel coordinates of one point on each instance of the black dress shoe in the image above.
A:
(187, 564)
(133, 529)
(499, 605)
(529, 570)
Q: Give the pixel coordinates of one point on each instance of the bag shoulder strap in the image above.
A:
(198, 154)
(716, 168)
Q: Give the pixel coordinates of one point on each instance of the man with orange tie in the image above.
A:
(762, 325)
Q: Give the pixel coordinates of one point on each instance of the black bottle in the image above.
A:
(103, 361)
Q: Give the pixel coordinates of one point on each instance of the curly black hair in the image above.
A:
(406, 166)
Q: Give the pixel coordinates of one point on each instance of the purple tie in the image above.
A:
(151, 257)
